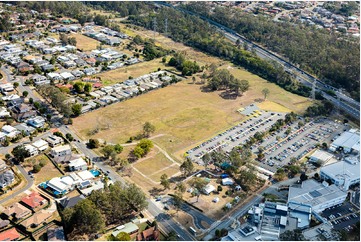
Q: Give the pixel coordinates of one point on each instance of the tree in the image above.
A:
(148, 128)
(187, 167)
(25, 93)
(122, 236)
(138, 152)
(86, 218)
(292, 235)
(69, 137)
(181, 187)
(118, 148)
(36, 168)
(198, 183)
(76, 109)
(7, 156)
(265, 92)
(247, 177)
(206, 158)
(20, 153)
(303, 177)
(79, 87)
(107, 151)
(93, 143)
(16, 84)
(87, 87)
(164, 181)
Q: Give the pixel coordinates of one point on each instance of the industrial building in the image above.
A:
(320, 156)
(348, 141)
(319, 196)
(344, 173)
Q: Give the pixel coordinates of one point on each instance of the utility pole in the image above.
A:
(166, 26)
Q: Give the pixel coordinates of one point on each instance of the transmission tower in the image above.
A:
(154, 27)
(313, 92)
(166, 26)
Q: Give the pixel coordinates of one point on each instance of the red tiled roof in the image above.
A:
(9, 235)
(33, 200)
(97, 85)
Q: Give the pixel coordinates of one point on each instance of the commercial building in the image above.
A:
(319, 196)
(320, 156)
(344, 173)
(348, 141)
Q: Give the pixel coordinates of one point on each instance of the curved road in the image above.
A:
(29, 181)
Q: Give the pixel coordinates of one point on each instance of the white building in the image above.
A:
(36, 122)
(10, 131)
(54, 140)
(40, 145)
(61, 151)
(227, 181)
(85, 175)
(78, 165)
(7, 87)
(31, 149)
(4, 112)
(348, 141)
(318, 196)
(343, 173)
(320, 156)
(208, 189)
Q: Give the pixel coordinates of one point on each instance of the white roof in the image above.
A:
(321, 155)
(67, 180)
(77, 162)
(8, 129)
(348, 140)
(209, 188)
(61, 148)
(227, 180)
(85, 175)
(283, 220)
(342, 169)
(30, 148)
(66, 75)
(39, 143)
(57, 184)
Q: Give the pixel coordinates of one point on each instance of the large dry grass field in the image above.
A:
(182, 112)
(46, 173)
(136, 70)
(85, 43)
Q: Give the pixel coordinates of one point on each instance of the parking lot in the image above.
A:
(259, 121)
(342, 216)
(280, 147)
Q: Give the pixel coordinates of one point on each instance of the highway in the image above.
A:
(342, 101)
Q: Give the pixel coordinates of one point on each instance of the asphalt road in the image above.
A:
(166, 222)
(29, 181)
(198, 216)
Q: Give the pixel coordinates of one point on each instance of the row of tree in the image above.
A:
(180, 62)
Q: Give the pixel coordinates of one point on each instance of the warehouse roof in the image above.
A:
(348, 140)
(343, 168)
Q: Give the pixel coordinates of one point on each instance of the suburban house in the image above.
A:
(7, 87)
(17, 211)
(71, 202)
(31, 149)
(60, 151)
(39, 79)
(54, 140)
(150, 234)
(34, 200)
(40, 145)
(36, 122)
(54, 76)
(9, 235)
(78, 165)
(4, 223)
(22, 111)
(208, 189)
(37, 219)
(129, 228)
(26, 129)
(4, 112)
(3, 165)
(10, 131)
(6, 178)
(56, 234)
